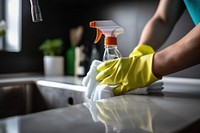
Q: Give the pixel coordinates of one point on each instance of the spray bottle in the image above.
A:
(111, 30)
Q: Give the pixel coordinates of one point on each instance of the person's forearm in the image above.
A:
(159, 27)
(183, 54)
(155, 33)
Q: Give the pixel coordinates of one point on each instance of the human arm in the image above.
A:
(178, 56)
(159, 27)
(142, 69)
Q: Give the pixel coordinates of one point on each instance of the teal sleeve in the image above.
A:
(193, 7)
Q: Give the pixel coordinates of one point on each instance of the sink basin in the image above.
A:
(31, 97)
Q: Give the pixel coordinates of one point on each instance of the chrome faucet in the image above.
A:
(35, 11)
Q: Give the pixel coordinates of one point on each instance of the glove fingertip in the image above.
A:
(102, 83)
(100, 76)
(101, 66)
(117, 91)
(98, 68)
(106, 64)
(97, 78)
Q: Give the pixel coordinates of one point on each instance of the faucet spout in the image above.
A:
(35, 11)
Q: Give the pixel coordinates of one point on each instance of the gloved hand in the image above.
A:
(129, 73)
(140, 50)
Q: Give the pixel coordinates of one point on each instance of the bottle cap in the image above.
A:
(110, 41)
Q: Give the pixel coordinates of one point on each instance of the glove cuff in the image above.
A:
(142, 49)
(148, 76)
(152, 78)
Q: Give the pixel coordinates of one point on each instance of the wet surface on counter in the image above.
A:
(176, 110)
(141, 114)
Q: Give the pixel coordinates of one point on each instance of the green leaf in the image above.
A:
(51, 47)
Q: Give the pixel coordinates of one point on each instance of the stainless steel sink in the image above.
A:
(31, 97)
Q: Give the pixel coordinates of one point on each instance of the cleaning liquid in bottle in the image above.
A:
(111, 52)
(111, 30)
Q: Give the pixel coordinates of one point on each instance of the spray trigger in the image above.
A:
(99, 32)
(98, 36)
(109, 28)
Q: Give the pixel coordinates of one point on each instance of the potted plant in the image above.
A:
(53, 61)
(2, 31)
(2, 28)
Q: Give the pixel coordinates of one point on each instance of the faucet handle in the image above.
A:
(35, 11)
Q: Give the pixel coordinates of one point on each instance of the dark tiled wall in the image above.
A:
(61, 15)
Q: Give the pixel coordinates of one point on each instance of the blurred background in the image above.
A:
(60, 16)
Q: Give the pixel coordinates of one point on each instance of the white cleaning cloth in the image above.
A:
(95, 91)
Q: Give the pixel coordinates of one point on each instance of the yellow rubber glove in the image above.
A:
(140, 50)
(129, 73)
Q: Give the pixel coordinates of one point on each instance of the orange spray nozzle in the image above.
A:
(99, 32)
(109, 28)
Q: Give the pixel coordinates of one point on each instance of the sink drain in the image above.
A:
(70, 101)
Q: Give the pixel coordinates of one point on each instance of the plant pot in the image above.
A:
(1, 43)
(53, 65)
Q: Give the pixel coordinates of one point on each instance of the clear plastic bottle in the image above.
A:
(111, 30)
(111, 52)
(94, 54)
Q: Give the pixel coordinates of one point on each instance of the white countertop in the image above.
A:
(177, 111)
(33, 79)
